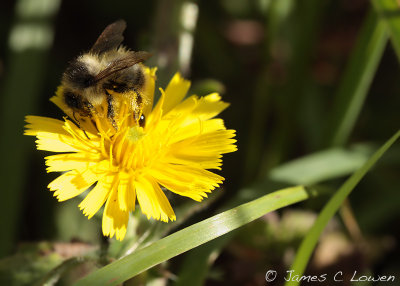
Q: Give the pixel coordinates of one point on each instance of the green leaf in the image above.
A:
(388, 11)
(192, 236)
(320, 166)
(357, 79)
(307, 246)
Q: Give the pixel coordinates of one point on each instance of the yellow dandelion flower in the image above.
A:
(174, 150)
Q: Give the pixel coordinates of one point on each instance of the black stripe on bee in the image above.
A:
(126, 81)
(119, 87)
(78, 75)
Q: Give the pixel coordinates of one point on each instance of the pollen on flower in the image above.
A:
(180, 142)
(135, 133)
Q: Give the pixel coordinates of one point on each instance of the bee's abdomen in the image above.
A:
(116, 86)
(131, 79)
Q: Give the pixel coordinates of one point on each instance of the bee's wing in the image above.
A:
(110, 38)
(129, 60)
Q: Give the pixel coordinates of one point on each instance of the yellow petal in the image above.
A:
(56, 142)
(39, 124)
(194, 112)
(156, 114)
(153, 201)
(181, 189)
(96, 197)
(196, 128)
(186, 180)
(70, 139)
(166, 210)
(126, 192)
(72, 183)
(202, 151)
(198, 161)
(216, 142)
(150, 74)
(210, 106)
(184, 109)
(115, 220)
(71, 161)
(175, 92)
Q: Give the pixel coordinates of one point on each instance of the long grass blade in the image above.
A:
(192, 236)
(389, 12)
(308, 244)
(357, 79)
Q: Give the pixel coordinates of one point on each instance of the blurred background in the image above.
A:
(314, 90)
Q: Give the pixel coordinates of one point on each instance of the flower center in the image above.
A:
(126, 148)
(135, 133)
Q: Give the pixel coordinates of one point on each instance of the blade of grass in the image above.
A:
(389, 12)
(308, 244)
(197, 262)
(192, 236)
(310, 169)
(354, 88)
(357, 79)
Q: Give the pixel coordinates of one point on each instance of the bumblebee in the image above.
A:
(103, 76)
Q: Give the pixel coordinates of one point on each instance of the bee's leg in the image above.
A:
(141, 118)
(90, 110)
(94, 124)
(110, 110)
(79, 124)
(139, 98)
(139, 103)
(85, 133)
(76, 120)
